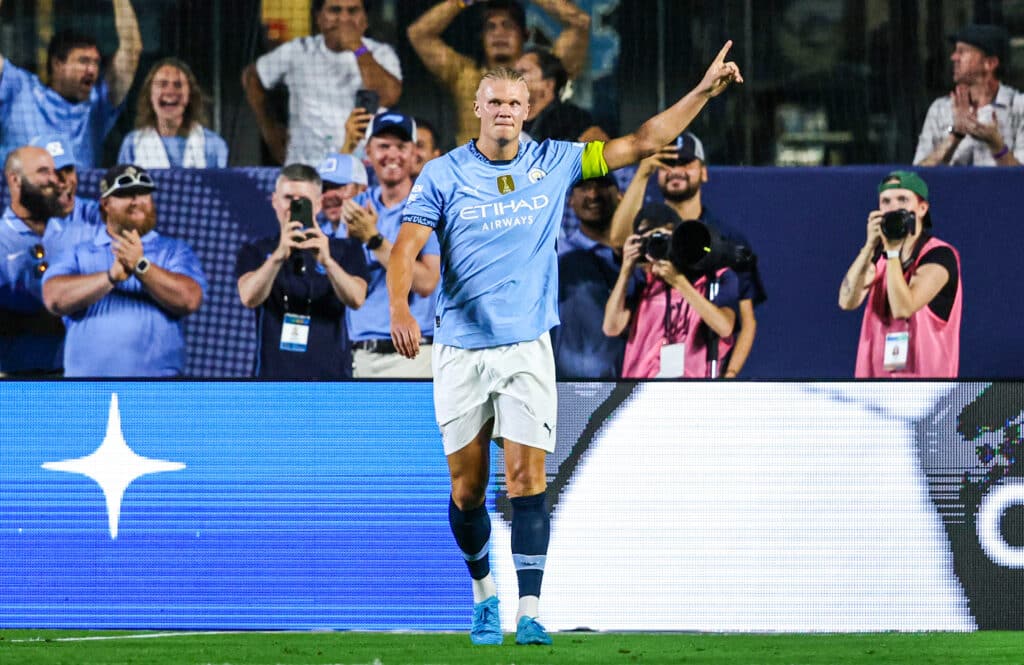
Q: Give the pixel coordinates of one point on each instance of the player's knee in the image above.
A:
(525, 479)
(468, 496)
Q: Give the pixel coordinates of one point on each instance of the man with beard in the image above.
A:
(32, 233)
(322, 73)
(681, 168)
(373, 218)
(503, 36)
(981, 122)
(76, 102)
(124, 295)
(550, 117)
(588, 266)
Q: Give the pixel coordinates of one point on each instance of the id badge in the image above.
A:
(673, 361)
(897, 346)
(295, 333)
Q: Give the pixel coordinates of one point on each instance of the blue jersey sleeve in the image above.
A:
(425, 204)
(183, 260)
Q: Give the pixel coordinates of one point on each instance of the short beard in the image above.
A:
(147, 225)
(40, 206)
(679, 197)
(599, 225)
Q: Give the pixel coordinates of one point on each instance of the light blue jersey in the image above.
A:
(497, 223)
(29, 108)
(373, 319)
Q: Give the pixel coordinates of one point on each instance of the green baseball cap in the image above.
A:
(904, 180)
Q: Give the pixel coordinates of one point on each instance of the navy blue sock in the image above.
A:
(531, 529)
(472, 531)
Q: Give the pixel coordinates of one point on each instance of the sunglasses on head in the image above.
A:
(38, 252)
(127, 181)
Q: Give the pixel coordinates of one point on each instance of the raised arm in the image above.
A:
(405, 331)
(861, 272)
(129, 49)
(574, 40)
(616, 313)
(633, 199)
(274, 133)
(670, 123)
(424, 33)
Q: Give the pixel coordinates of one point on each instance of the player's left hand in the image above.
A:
(405, 333)
(720, 74)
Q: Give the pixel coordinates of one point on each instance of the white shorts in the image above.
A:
(514, 384)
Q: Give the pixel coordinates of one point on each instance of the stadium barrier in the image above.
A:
(856, 506)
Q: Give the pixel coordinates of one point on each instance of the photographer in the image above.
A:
(911, 281)
(681, 311)
(301, 283)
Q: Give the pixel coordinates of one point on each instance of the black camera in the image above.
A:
(694, 247)
(657, 246)
(898, 224)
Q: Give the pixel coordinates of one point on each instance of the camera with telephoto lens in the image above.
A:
(898, 224)
(695, 247)
(657, 246)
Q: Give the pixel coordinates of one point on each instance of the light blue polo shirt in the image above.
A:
(21, 296)
(126, 333)
(497, 222)
(373, 319)
(28, 108)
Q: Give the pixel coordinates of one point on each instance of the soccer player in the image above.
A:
(496, 204)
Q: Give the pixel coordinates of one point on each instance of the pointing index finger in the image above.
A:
(720, 58)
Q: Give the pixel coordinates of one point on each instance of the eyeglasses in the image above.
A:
(38, 252)
(126, 181)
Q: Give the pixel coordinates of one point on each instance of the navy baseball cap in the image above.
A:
(339, 169)
(689, 148)
(393, 122)
(59, 148)
(991, 39)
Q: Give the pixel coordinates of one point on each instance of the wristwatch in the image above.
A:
(141, 267)
(951, 130)
(375, 242)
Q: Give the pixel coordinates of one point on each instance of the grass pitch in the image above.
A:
(48, 647)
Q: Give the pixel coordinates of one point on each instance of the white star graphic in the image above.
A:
(114, 466)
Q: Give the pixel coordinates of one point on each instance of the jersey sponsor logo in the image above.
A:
(506, 184)
(536, 175)
(497, 208)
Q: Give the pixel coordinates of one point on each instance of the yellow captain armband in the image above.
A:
(594, 165)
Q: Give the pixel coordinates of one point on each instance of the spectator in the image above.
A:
(343, 178)
(32, 235)
(981, 122)
(588, 267)
(911, 281)
(550, 117)
(322, 73)
(503, 36)
(76, 103)
(124, 295)
(373, 218)
(72, 207)
(300, 283)
(678, 313)
(426, 146)
(169, 131)
(681, 170)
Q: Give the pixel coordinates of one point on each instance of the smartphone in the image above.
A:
(368, 99)
(301, 210)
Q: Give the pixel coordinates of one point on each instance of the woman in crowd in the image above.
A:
(169, 131)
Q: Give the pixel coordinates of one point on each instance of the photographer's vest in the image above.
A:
(934, 347)
(652, 329)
